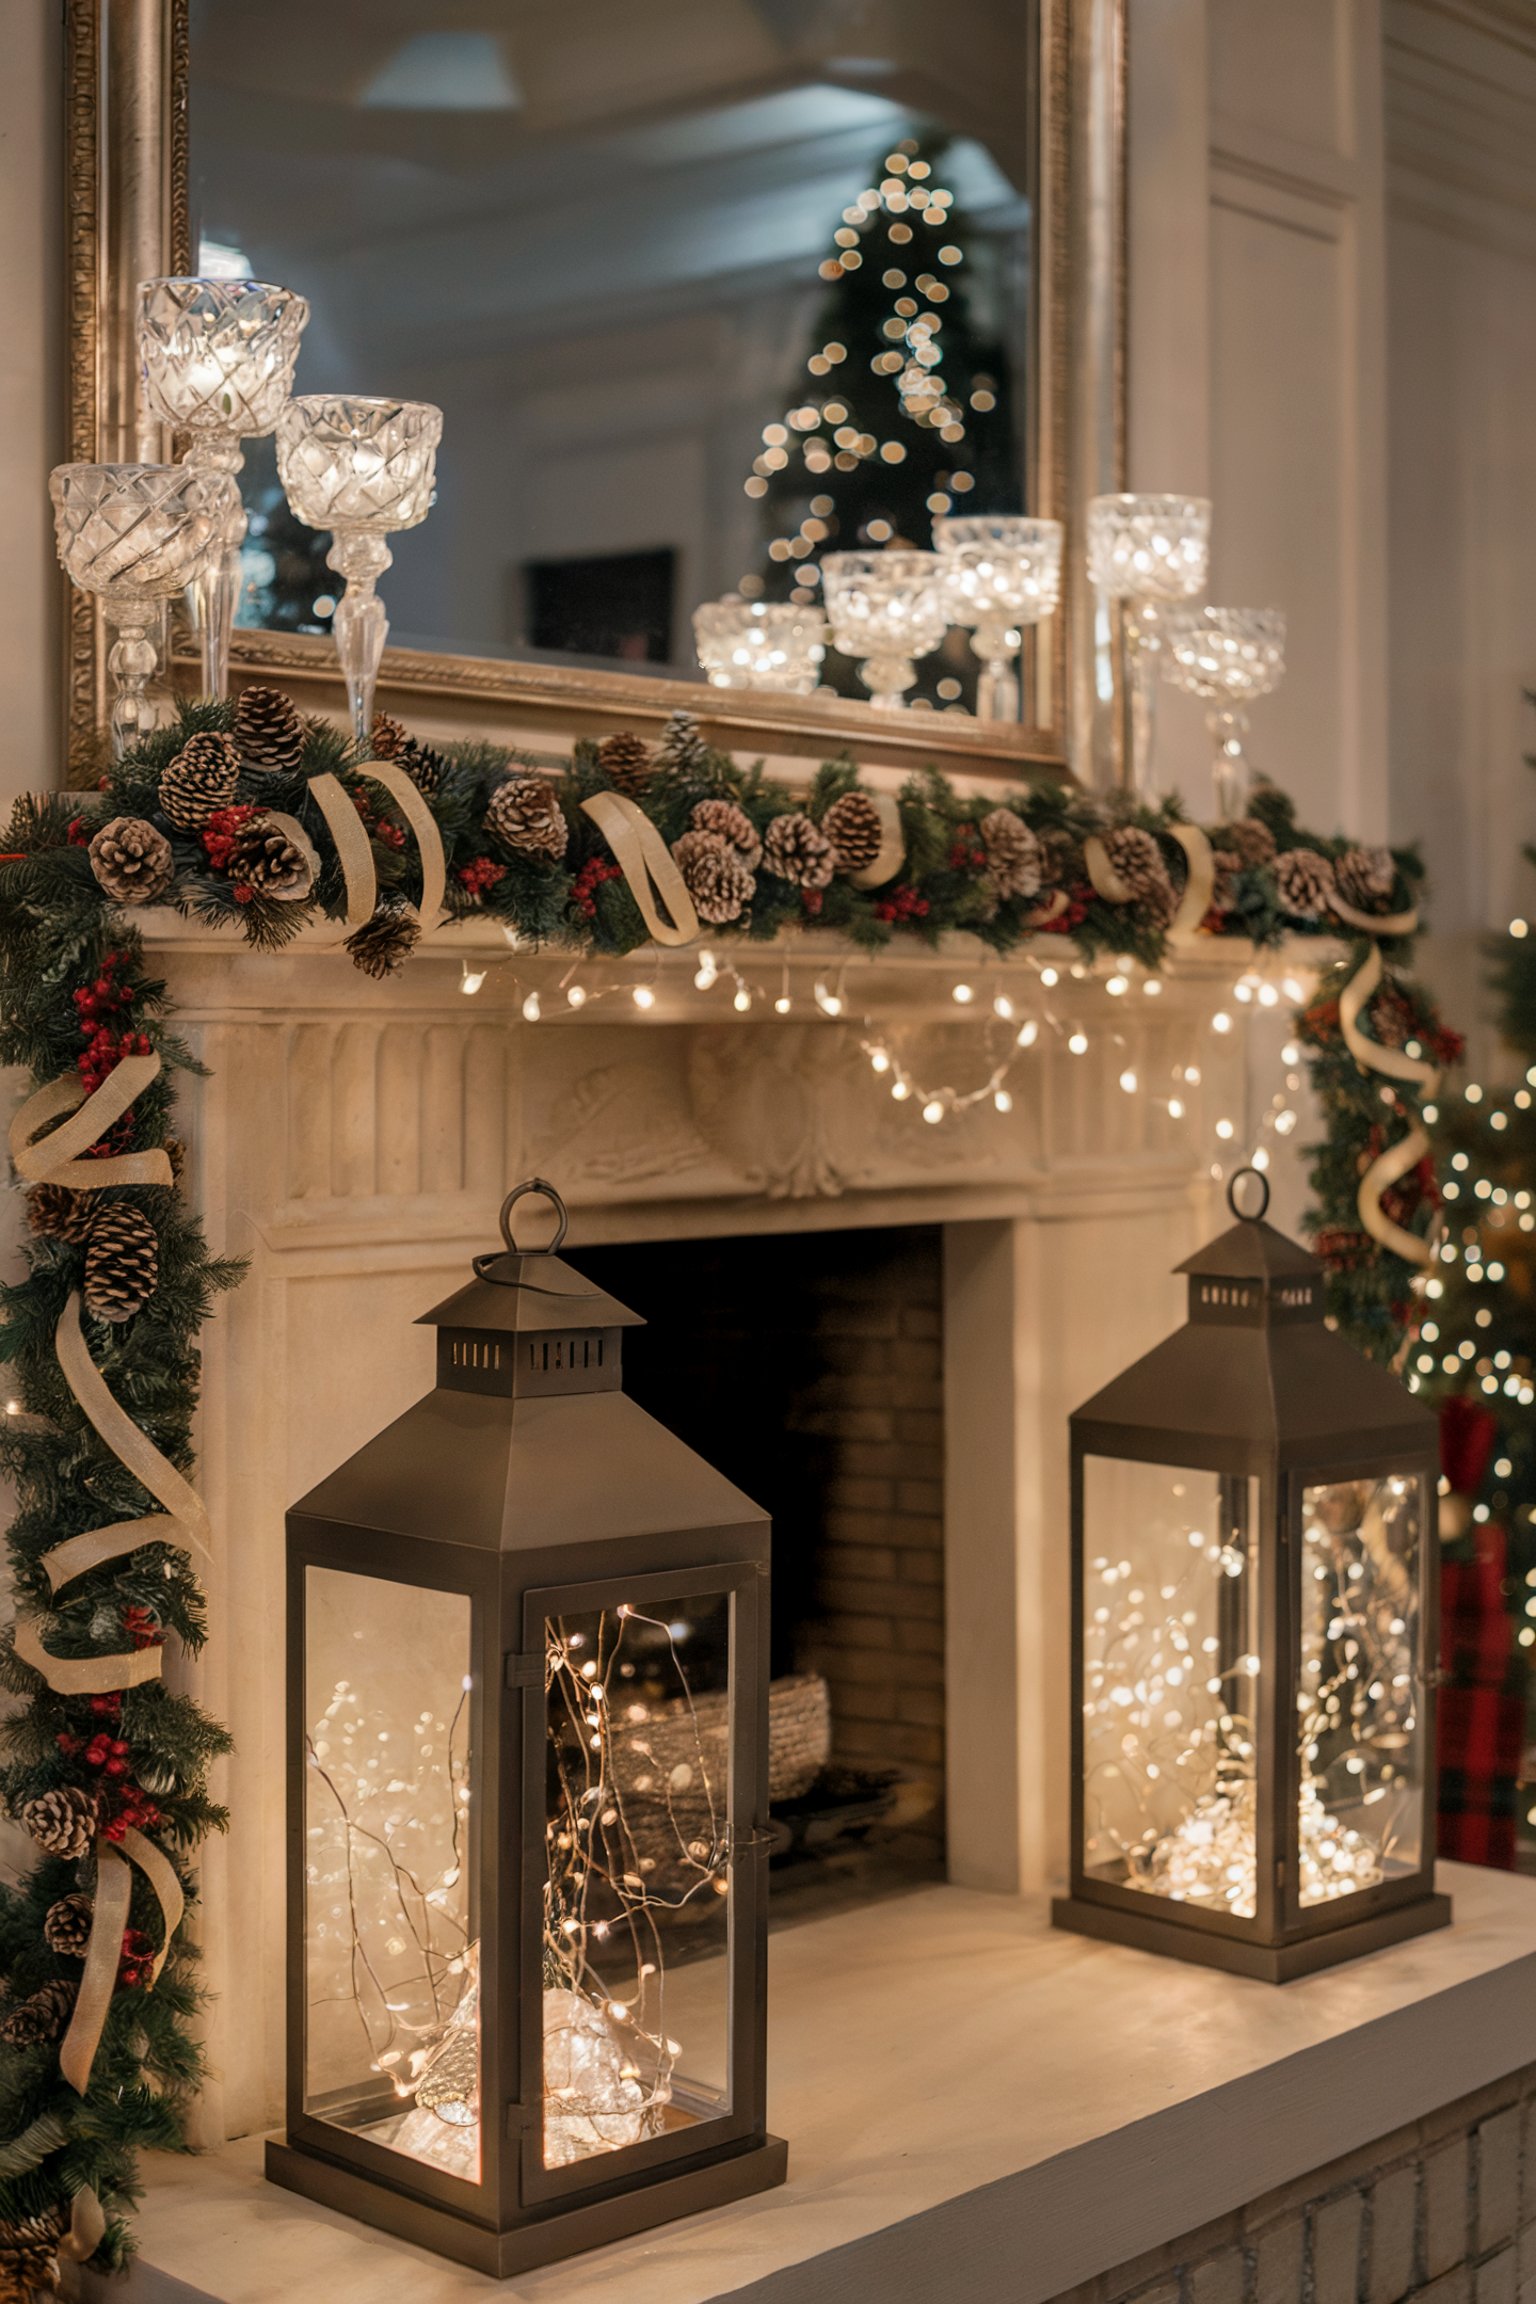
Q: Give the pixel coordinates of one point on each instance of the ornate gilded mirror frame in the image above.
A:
(127, 143)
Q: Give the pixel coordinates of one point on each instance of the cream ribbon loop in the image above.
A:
(646, 863)
(354, 849)
(56, 1157)
(1200, 882)
(1392, 1064)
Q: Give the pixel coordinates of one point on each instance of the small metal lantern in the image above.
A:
(527, 1720)
(1255, 1571)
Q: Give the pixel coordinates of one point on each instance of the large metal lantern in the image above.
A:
(527, 1721)
(1254, 1579)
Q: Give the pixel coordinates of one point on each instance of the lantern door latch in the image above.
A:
(525, 1671)
(518, 2120)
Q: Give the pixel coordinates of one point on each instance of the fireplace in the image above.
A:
(809, 1369)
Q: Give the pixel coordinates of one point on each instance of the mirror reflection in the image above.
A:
(709, 292)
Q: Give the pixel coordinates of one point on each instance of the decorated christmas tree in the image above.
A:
(907, 412)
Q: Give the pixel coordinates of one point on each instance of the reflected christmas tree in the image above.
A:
(908, 412)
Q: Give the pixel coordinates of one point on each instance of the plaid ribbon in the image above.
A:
(1482, 1706)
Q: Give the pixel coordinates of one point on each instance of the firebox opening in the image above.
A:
(809, 1369)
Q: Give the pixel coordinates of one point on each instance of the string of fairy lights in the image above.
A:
(1014, 1023)
(1498, 1209)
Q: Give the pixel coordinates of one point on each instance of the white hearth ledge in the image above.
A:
(976, 2107)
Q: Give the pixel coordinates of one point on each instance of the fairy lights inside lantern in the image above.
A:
(1254, 1571)
(528, 1727)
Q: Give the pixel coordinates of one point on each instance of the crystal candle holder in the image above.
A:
(885, 608)
(1148, 554)
(1000, 573)
(216, 363)
(135, 535)
(760, 644)
(362, 468)
(1227, 657)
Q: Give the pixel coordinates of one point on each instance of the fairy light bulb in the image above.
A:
(1260, 1160)
(1221, 1021)
(933, 1111)
(1115, 985)
(576, 995)
(1001, 1100)
(783, 1004)
(1050, 978)
(1128, 1081)
(1078, 1043)
(1002, 1006)
(643, 996)
(901, 1090)
(472, 980)
(531, 1009)
(1225, 1131)
(705, 973)
(742, 1001)
(879, 1061)
(1175, 1108)
(963, 995)
(1152, 987)
(1269, 995)
(1028, 1034)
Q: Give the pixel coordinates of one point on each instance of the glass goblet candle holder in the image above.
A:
(885, 609)
(362, 468)
(760, 644)
(1000, 573)
(1147, 554)
(1227, 657)
(136, 535)
(216, 363)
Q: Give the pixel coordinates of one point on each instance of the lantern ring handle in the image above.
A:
(1262, 1182)
(562, 1220)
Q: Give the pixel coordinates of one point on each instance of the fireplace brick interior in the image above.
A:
(810, 1370)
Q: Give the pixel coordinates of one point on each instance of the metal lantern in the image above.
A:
(1254, 1578)
(527, 1722)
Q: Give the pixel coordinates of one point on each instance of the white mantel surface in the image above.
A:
(976, 2107)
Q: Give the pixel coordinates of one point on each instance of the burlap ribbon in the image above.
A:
(1391, 1064)
(1199, 881)
(647, 865)
(55, 1158)
(354, 849)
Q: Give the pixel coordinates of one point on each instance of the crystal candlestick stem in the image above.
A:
(1000, 573)
(1147, 554)
(135, 535)
(216, 364)
(1228, 657)
(362, 468)
(885, 608)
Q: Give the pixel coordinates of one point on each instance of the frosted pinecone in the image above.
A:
(526, 815)
(1015, 859)
(59, 1212)
(1249, 840)
(625, 759)
(122, 1262)
(67, 1926)
(389, 739)
(1226, 864)
(387, 941)
(266, 858)
(200, 780)
(794, 850)
(715, 875)
(1305, 882)
(853, 826)
(1365, 878)
(62, 1821)
(42, 2016)
(29, 2257)
(269, 735)
(131, 860)
(732, 825)
(682, 749)
(1137, 863)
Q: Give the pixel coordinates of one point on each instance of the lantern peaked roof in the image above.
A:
(1252, 1250)
(525, 1294)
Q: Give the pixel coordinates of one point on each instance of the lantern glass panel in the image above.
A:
(1359, 1704)
(637, 1907)
(1170, 1673)
(391, 2039)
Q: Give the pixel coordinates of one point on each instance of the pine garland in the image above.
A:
(76, 995)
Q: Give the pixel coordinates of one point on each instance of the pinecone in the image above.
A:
(795, 850)
(67, 1925)
(732, 825)
(269, 735)
(1064, 862)
(527, 817)
(1305, 881)
(131, 860)
(387, 736)
(1015, 859)
(387, 941)
(42, 2017)
(625, 759)
(716, 876)
(682, 749)
(29, 2257)
(63, 1821)
(853, 826)
(1366, 878)
(1226, 865)
(122, 1262)
(389, 739)
(265, 858)
(200, 780)
(1249, 840)
(1137, 862)
(58, 1212)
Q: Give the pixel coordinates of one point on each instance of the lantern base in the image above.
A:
(542, 2239)
(1270, 1963)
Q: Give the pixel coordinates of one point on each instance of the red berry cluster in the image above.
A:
(588, 880)
(221, 831)
(811, 900)
(137, 1965)
(379, 827)
(1079, 899)
(79, 833)
(902, 903)
(103, 1007)
(479, 874)
(966, 853)
(142, 1626)
(135, 1810)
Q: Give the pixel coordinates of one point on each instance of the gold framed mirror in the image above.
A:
(607, 245)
